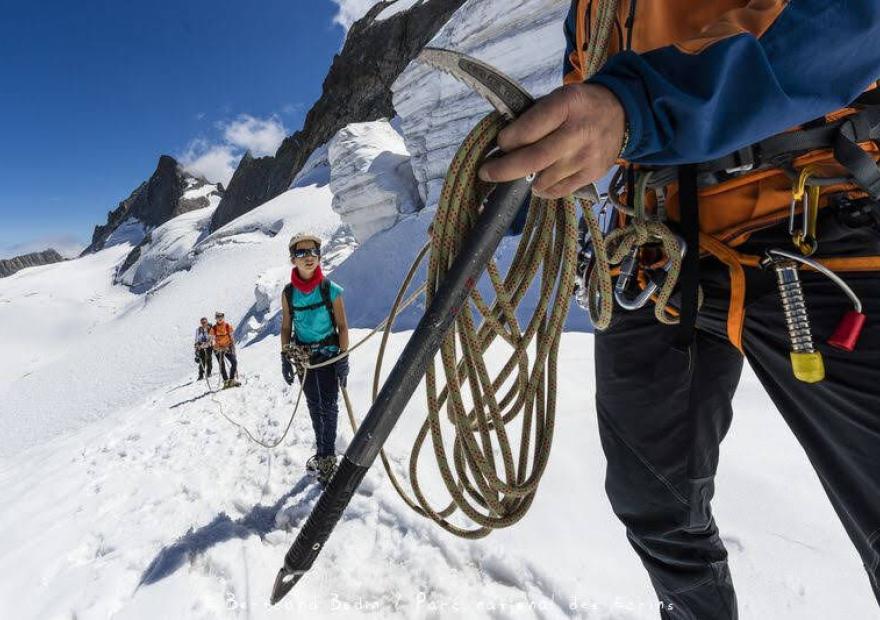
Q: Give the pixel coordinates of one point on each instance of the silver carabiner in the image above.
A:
(628, 269)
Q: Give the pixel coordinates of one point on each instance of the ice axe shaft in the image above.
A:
(480, 244)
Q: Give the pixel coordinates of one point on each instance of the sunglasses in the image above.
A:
(316, 252)
(218, 316)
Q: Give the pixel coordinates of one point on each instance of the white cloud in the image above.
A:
(216, 161)
(351, 10)
(259, 136)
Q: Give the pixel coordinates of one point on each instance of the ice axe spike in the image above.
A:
(504, 93)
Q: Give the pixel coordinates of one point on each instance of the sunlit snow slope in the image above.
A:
(99, 347)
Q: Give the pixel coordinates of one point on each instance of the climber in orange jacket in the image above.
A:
(224, 348)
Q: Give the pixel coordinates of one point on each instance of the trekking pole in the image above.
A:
(497, 216)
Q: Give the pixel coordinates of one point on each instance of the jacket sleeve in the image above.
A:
(757, 71)
(569, 28)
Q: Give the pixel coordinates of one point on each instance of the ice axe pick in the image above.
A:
(504, 93)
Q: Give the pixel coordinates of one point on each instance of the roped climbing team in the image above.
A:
(218, 338)
(314, 338)
(728, 115)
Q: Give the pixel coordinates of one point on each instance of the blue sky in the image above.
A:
(92, 92)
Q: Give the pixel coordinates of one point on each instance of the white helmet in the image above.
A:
(303, 236)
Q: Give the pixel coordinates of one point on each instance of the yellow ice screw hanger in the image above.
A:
(808, 367)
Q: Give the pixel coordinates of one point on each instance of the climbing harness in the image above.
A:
(806, 199)
(806, 162)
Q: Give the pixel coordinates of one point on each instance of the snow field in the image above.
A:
(113, 357)
(164, 509)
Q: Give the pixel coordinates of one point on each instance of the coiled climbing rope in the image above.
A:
(472, 412)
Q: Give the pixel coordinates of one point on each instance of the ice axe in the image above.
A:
(495, 219)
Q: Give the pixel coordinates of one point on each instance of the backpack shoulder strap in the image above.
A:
(325, 295)
(286, 294)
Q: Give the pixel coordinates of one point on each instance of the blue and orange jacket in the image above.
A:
(702, 78)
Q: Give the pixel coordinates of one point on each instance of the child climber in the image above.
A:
(314, 315)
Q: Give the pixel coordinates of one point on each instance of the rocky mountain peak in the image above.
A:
(170, 191)
(357, 89)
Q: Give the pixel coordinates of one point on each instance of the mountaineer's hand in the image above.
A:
(571, 138)
(286, 369)
(342, 371)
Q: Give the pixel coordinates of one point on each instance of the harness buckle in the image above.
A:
(745, 161)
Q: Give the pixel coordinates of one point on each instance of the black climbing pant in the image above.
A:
(321, 389)
(233, 364)
(662, 413)
(205, 362)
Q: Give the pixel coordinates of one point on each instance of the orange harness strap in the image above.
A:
(735, 262)
(737, 310)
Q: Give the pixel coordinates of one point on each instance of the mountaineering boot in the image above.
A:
(312, 465)
(326, 468)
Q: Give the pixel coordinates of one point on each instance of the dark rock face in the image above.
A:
(357, 89)
(34, 259)
(251, 185)
(114, 219)
(155, 201)
(133, 256)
